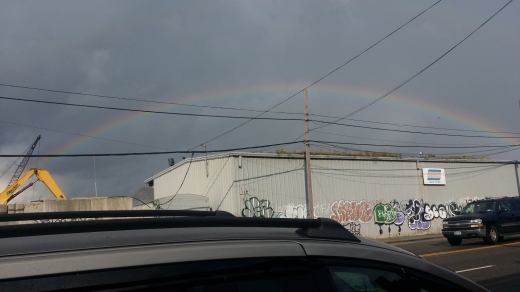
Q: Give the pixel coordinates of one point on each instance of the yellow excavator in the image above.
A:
(41, 175)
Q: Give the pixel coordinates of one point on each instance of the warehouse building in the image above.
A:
(373, 197)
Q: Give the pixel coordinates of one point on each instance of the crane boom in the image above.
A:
(23, 164)
(41, 175)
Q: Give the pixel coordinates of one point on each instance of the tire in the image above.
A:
(491, 235)
(455, 241)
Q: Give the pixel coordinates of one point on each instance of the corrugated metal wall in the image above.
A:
(381, 198)
(214, 184)
(377, 198)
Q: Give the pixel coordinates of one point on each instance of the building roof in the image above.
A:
(321, 157)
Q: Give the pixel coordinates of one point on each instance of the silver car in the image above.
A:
(204, 251)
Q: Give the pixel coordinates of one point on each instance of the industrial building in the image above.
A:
(373, 197)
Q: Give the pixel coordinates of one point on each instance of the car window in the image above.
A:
(515, 204)
(504, 204)
(361, 279)
(243, 275)
(479, 207)
(355, 275)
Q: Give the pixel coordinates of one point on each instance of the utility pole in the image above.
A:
(95, 176)
(308, 181)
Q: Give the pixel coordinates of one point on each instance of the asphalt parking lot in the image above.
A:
(496, 267)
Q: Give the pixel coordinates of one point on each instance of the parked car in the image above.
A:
(204, 251)
(490, 219)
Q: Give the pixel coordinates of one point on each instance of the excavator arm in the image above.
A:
(45, 177)
(6, 195)
(42, 175)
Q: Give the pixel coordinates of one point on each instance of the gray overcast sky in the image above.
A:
(246, 54)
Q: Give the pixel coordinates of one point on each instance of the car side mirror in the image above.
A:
(456, 212)
(504, 210)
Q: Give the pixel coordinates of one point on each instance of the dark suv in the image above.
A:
(490, 219)
(192, 251)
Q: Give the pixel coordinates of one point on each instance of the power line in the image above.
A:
(324, 170)
(149, 153)
(425, 147)
(414, 126)
(145, 111)
(216, 177)
(418, 73)
(393, 154)
(418, 132)
(140, 100)
(143, 203)
(504, 151)
(414, 146)
(325, 76)
(185, 175)
(364, 138)
(244, 109)
(249, 118)
(358, 174)
(243, 117)
(414, 169)
(88, 136)
(224, 150)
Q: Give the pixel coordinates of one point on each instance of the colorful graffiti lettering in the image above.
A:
(384, 214)
(254, 207)
(387, 214)
(415, 213)
(351, 211)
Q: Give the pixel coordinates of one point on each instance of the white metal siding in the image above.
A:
(349, 191)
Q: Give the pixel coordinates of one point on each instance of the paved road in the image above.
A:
(496, 267)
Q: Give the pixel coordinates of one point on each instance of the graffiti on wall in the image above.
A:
(414, 211)
(417, 214)
(300, 211)
(294, 211)
(254, 207)
(353, 227)
(386, 214)
(434, 212)
(351, 211)
(392, 215)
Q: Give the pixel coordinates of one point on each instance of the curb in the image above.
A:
(409, 239)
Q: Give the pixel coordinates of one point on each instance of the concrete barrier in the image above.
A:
(73, 204)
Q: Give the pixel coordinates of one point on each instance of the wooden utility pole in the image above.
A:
(308, 181)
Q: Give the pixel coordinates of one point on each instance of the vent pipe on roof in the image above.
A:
(171, 162)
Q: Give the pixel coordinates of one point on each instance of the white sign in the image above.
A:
(434, 176)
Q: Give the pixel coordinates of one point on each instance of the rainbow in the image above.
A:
(466, 120)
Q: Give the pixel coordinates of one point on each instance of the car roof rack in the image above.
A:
(109, 214)
(493, 198)
(321, 228)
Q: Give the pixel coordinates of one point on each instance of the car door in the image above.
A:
(515, 210)
(506, 220)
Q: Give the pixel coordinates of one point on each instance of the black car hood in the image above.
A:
(468, 217)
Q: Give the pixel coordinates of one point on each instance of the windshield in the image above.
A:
(478, 207)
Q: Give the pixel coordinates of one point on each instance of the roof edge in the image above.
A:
(322, 157)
